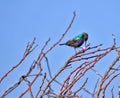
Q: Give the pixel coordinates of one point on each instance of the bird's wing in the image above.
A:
(71, 42)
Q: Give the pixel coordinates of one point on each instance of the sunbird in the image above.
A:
(77, 41)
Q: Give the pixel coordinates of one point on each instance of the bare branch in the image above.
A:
(65, 65)
(105, 75)
(29, 49)
(112, 92)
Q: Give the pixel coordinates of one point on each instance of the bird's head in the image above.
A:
(85, 36)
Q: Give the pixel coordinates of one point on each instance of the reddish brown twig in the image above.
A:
(29, 49)
(65, 65)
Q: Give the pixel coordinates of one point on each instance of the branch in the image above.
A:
(66, 64)
(105, 75)
(29, 49)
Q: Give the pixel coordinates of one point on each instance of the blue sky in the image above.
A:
(22, 20)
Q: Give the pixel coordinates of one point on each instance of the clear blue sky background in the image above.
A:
(22, 20)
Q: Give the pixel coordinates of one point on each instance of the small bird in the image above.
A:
(77, 41)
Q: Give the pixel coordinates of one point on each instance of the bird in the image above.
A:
(77, 41)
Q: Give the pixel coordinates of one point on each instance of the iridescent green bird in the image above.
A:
(77, 41)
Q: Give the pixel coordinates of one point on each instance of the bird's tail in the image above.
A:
(62, 44)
